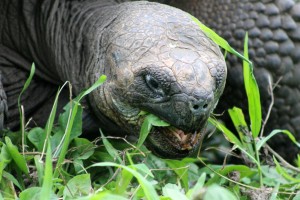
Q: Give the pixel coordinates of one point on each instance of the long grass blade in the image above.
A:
(253, 95)
(73, 112)
(20, 107)
(218, 39)
(261, 142)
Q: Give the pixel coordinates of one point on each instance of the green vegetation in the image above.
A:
(54, 162)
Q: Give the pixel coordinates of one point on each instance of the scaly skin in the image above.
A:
(155, 57)
(274, 47)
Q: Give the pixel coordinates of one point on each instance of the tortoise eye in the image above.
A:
(153, 84)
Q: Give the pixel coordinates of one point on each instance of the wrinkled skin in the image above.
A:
(274, 47)
(155, 58)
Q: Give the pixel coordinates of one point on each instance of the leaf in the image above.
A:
(110, 149)
(123, 182)
(284, 173)
(106, 195)
(297, 196)
(5, 158)
(275, 192)
(16, 156)
(218, 39)
(181, 167)
(217, 192)
(21, 111)
(232, 138)
(26, 85)
(228, 134)
(253, 95)
(261, 142)
(144, 169)
(149, 121)
(65, 117)
(67, 136)
(198, 186)
(238, 119)
(272, 177)
(11, 178)
(173, 191)
(99, 82)
(149, 190)
(37, 137)
(83, 148)
(78, 165)
(39, 168)
(32, 193)
(50, 121)
(242, 169)
(7, 190)
(46, 190)
(78, 186)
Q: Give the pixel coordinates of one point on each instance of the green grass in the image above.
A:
(54, 162)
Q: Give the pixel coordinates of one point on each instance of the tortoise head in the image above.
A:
(159, 61)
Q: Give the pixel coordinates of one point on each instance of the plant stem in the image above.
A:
(258, 164)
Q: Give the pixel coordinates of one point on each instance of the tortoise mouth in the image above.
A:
(171, 142)
(178, 138)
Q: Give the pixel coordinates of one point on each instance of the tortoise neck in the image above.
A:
(72, 32)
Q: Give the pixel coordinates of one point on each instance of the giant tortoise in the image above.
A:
(155, 57)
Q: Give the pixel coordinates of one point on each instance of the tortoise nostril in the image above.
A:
(196, 107)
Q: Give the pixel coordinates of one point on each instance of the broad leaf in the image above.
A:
(218, 192)
(173, 191)
(16, 156)
(78, 186)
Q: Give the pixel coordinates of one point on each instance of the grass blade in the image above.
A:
(149, 190)
(149, 121)
(20, 107)
(228, 134)
(99, 82)
(72, 116)
(238, 119)
(284, 173)
(110, 149)
(261, 142)
(39, 168)
(47, 182)
(218, 39)
(200, 183)
(50, 121)
(253, 95)
(26, 85)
